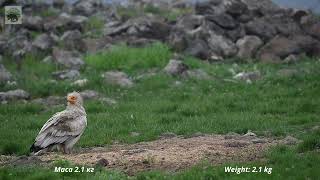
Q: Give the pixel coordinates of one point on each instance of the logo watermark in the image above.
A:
(13, 15)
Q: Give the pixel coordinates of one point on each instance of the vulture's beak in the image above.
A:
(72, 99)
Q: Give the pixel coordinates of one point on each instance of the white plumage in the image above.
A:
(64, 128)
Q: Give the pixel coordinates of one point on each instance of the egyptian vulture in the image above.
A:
(64, 128)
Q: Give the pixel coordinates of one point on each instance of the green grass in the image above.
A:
(130, 59)
(274, 105)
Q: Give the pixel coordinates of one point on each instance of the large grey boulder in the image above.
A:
(43, 42)
(263, 7)
(72, 40)
(11, 95)
(248, 77)
(248, 46)
(65, 22)
(223, 20)
(68, 59)
(144, 27)
(311, 25)
(261, 28)
(222, 46)
(50, 101)
(281, 47)
(66, 74)
(86, 7)
(175, 67)
(33, 23)
(89, 94)
(199, 49)
(117, 78)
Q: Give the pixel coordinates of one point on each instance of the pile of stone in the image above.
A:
(253, 29)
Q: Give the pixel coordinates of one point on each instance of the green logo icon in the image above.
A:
(13, 15)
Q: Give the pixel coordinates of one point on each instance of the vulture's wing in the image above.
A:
(61, 127)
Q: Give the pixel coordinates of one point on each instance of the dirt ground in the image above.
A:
(168, 153)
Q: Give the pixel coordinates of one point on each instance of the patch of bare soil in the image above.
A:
(172, 154)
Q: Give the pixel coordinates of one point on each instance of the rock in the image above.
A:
(209, 7)
(168, 135)
(236, 8)
(5, 75)
(311, 25)
(48, 60)
(34, 23)
(12, 83)
(261, 28)
(58, 3)
(108, 101)
(90, 94)
(297, 14)
(18, 43)
(285, 25)
(197, 134)
(263, 7)
(198, 49)
(117, 78)
(86, 7)
(250, 134)
(177, 83)
(281, 47)
(292, 58)
(66, 74)
(67, 59)
(134, 134)
(222, 46)
(72, 40)
(65, 22)
(197, 74)
(223, 20)
(248, 46)
(289, 140)
(50, 101)
(43, 42)
(236, 34)
(94, 45)
(102, 162)
(11, 95)
(114, 29)
(80, 82)
(248, 77)
(143, 27)
(190, 22)
(175, 67)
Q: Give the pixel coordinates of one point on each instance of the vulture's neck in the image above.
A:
(78, 108)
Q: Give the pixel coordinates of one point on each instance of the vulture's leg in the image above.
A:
(60, 148)
(66, 150)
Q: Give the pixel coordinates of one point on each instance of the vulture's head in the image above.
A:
(74, 98)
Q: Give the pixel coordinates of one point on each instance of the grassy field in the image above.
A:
(272, 106)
